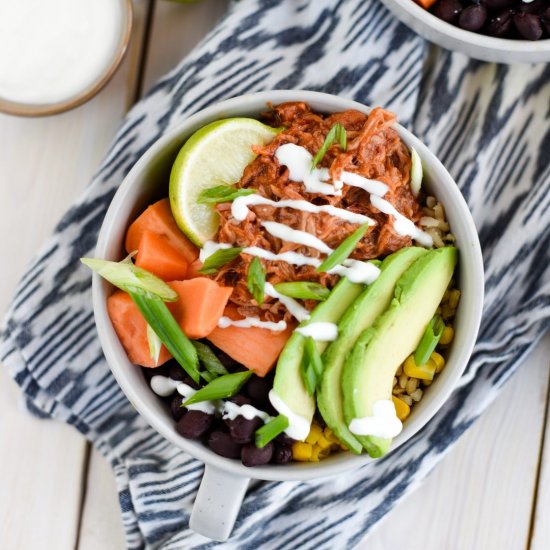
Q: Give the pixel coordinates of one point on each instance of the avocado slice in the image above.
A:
(370, 367)
(373, 301)
(288, 385)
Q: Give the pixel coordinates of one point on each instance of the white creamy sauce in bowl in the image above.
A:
(51, 51)
(249, 322)
(298, 426)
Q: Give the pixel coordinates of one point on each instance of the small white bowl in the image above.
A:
(225, 481)
(478, 46)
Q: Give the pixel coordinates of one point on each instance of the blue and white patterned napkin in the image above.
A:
(489, 124)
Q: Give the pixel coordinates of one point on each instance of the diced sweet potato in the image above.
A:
(157, 255)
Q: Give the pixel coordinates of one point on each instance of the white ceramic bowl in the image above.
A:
(479, 46)
(215, 510)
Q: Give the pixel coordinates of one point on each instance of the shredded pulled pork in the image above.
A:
(374, 151)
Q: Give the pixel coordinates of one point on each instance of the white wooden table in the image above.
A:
(56, 492)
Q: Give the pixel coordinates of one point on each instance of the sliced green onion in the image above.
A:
(209, 360)
(303, 290)
(346, 247)
(271, 430)
(164, 325)
(220, 388)
(255, 280)
(131, 278)
(416, 172)
(154, 344)
(207, 376)
(429, 340)
(312, 365)
(222, 193)
(336, 133)
(221, 257)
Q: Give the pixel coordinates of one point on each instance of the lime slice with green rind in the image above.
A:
(217, 154)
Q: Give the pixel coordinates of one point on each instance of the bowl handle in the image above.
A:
(218, 503)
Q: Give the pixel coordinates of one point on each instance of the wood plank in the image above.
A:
(101, 525)
(540, 527)
(481, 495)
(46, 163)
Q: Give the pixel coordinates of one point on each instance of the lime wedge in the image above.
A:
(217, 154)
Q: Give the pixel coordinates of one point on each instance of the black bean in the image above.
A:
(222, 444)
(283, 439)
(501, 24)
(194, 424)
(528, 25)
(282, 454)
(175, 406)
(499, 4)
(149, 373)
(253, 456)
(258, 389)
(243, 430)
(448, 10)
(545, 19)
(536, 7)
(473, 17)
(177, 372)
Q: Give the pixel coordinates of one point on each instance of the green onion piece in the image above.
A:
(207, 376)
(336, 133)
(312, 365)
(132, 279)
(221, 257)
(220, 388)
(313, 356)
(416, 172)
(154, 344)
(255, 280)
(346, 247)
(209, 360)
(303, 290)
(271, 430)
(429, 340)
(222, 193)
(164, 325)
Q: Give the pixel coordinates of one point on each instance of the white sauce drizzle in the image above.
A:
(293, 307)
(285, 233)
(232, 410)
(298, 161)
(383, 423)
(298, 426)
(374, 187)
(248, 322)
(239, 208)
(320, 331)
(164, 386)
(401, 224)
(357, 272)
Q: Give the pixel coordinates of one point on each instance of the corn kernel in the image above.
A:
(302, 451)
(315, 452)
(324, 443)
(424, 372)
(401, 409)
(315, 433)
(447, 335)
(329, 435)
(454, 298)
(438, 360)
